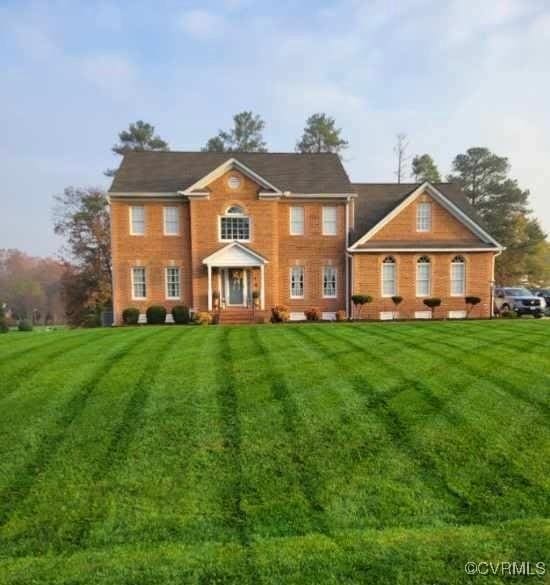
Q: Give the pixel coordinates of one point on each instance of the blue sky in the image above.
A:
(450, 74)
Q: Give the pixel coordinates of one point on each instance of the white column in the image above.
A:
(209, 287)
(262, 292)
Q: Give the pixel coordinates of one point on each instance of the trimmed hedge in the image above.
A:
(130, 316)
(156, 315)
(313, 314)
(181, 315)
(25, 325)
(279, 314)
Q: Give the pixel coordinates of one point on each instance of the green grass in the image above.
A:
(307, 454)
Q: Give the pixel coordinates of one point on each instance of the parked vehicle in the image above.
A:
(545, 294)
(520, 300)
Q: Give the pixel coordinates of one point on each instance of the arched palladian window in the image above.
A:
(458, 276)
(423, 276)
(234, 225)
(389, 277)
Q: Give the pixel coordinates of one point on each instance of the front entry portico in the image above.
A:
(230, 274)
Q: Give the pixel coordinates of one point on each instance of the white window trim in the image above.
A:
(396, 288)
(134, 298)
(325, 207)
(167, 296)
(164, 209)
(303, 279)
(335, 295)
(131, 221)
(234, 215)
(424, 205)
(428, 294)
(464, 280)
(290, 231)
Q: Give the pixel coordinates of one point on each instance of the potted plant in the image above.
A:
(397, 300)
(360, 300)
(256, 299)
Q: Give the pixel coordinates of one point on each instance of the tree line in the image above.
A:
(81, 215)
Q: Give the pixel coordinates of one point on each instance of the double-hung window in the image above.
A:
(423, 276)
(234, 225)
(296, 221)
(329, 221)
(329, 282)
(139, 283)
(137, 220)
(297, 282)
(172, 282)
(389, 277)
(171, 221)
(424, 216)
(458, 276)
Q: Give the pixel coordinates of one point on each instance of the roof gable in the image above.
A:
(229, 164)
(171, 171)
(378, 204)
(235, 254)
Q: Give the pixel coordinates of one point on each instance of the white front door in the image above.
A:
(235, 287)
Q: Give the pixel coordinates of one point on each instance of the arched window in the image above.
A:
(389, 277)
(234, 225)
(423, 276)
(458, 276)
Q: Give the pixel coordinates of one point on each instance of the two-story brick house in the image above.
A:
(226, 232)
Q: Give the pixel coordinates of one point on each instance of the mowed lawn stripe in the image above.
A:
(487, 466)
(51, 493)
(278, 498)
(15, 369)
(19, 344)
(410, 487)
(33, 422)
(164, 489)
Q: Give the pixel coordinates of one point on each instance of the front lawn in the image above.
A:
(386, 453)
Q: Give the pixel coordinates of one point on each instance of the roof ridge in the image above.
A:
(205, 152)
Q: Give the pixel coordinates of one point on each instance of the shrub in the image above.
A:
(432, 304)
(360, 300)
(91, 319)
(130, 316)
(181, 315)
(3, 324)
(471, 302)
(156, 315)
(203, 318)
(313, 314)
(24, 325)
(341, 315)
(279, 314)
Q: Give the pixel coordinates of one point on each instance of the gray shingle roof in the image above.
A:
(428, 245)
(171, 171)
(376, 200)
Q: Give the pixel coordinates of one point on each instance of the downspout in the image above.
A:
(348, 256)
(492, 285)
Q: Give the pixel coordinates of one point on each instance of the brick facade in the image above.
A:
(199, 237)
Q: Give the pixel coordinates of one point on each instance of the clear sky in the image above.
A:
(449, 73)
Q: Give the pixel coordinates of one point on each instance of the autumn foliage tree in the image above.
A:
(81, 216)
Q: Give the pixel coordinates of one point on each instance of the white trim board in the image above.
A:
(420, 249)
(438, 196)
(216, 259)
(230, 164)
